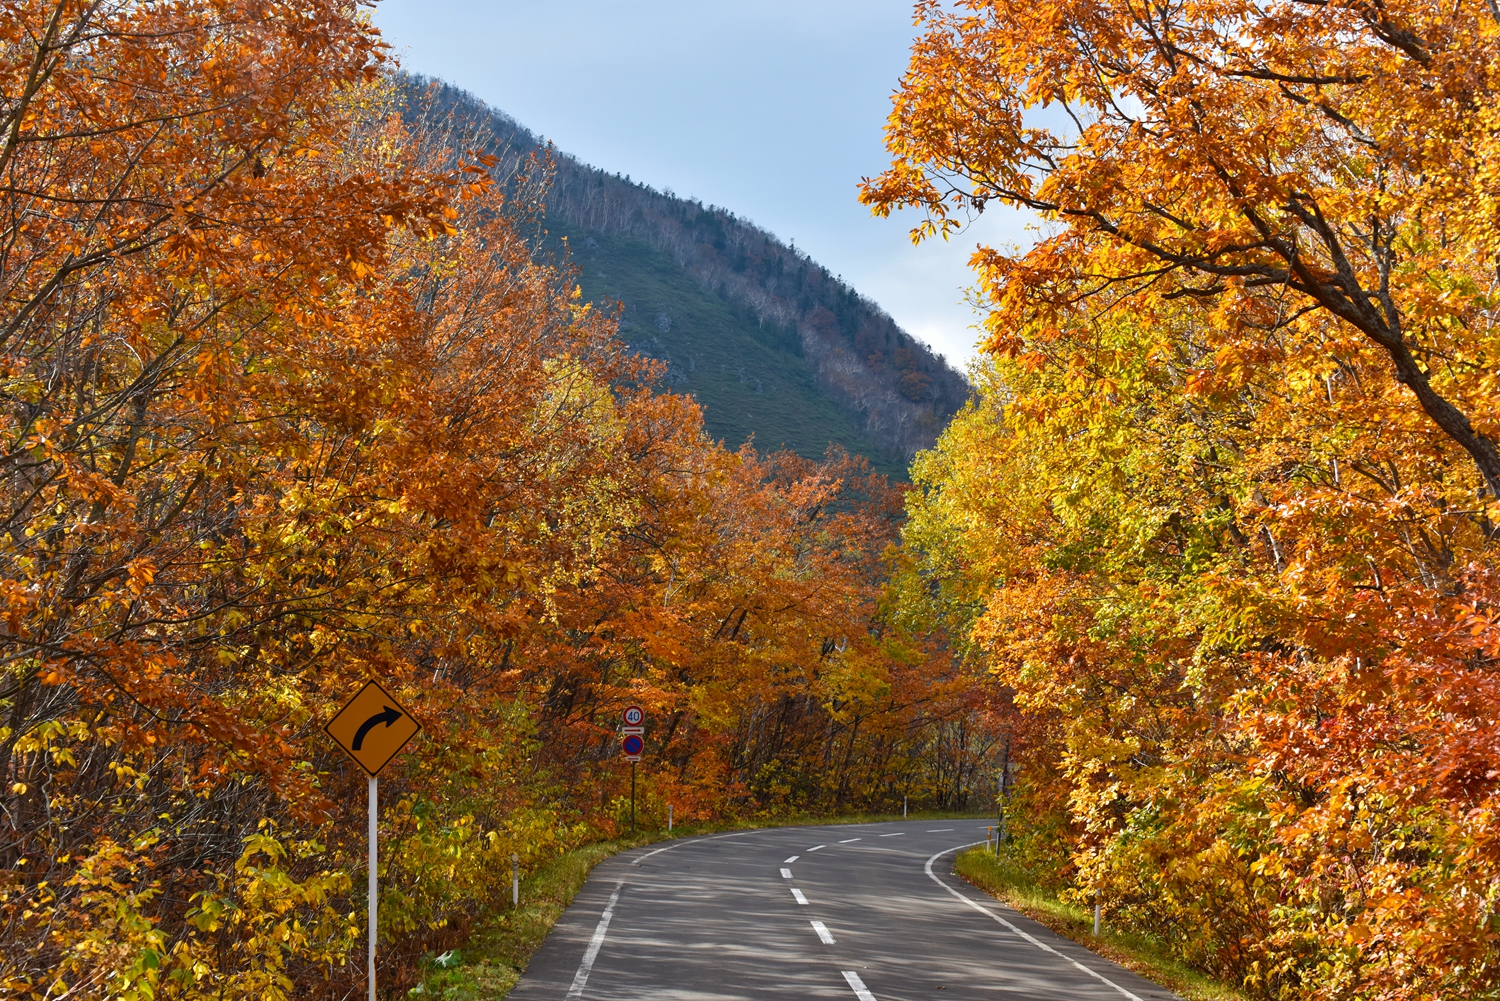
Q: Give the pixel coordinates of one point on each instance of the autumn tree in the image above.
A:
(297, 395)
(1216, 520)
(1273, 163)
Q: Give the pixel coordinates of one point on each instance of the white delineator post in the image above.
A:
(669, 818)
(374, 893)
(515, 880)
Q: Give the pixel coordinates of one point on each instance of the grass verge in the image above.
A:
(1006, 880)
(488, 965)
(493, 959)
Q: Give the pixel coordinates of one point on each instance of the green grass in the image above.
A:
(488, 965)
(1007, 879)
(750, 379)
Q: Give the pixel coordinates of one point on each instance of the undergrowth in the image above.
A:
(1010, 879)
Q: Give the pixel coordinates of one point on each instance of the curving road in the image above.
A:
(856, 912)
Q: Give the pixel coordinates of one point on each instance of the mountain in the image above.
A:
(767, 340)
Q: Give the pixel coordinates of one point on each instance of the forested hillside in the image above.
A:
(767, 340)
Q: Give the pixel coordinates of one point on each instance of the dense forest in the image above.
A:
(900, 394)
(297, 394)
(1224, 517)
(298, 390)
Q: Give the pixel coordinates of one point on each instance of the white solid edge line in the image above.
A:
(860, 990)
(694, 840)
(798, 895)
(644, 857)
(989, 913)
(592, 952)
(791, 860)
(827, 937)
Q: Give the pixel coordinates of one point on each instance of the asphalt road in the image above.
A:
(855, 912)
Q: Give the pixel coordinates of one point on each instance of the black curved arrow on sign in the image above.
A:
(388, 716)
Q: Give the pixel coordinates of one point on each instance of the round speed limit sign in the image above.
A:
(633, 716)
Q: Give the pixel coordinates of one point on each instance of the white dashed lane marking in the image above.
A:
(898, 834)
(822, 931)
(940, 830)
(847, 840)
(815, 849)
(791, 860)
(860, 990)
(800, 898)
(786, 874)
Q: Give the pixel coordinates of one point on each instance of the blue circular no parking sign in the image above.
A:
(633, 745)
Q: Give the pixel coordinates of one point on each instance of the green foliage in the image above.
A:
(750, 378)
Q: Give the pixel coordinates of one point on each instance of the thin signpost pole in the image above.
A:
(632, 797)
(374, 897)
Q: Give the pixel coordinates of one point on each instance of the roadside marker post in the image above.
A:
(372, 728)
(669, 818)
(634, 745)
(515, 880)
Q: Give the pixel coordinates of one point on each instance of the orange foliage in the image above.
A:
(292, 400)
(1223, 519)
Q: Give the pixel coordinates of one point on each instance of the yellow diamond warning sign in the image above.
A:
(372, 727)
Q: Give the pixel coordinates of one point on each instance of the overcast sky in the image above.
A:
(772, 109)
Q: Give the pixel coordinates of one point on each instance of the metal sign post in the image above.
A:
(372, 728)
(634, 718)
(374, 892)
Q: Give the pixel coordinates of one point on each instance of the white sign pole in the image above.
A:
(373, 888)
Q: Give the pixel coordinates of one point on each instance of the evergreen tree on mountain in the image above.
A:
(833, 366)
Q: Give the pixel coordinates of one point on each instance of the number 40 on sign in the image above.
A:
(634, 745)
